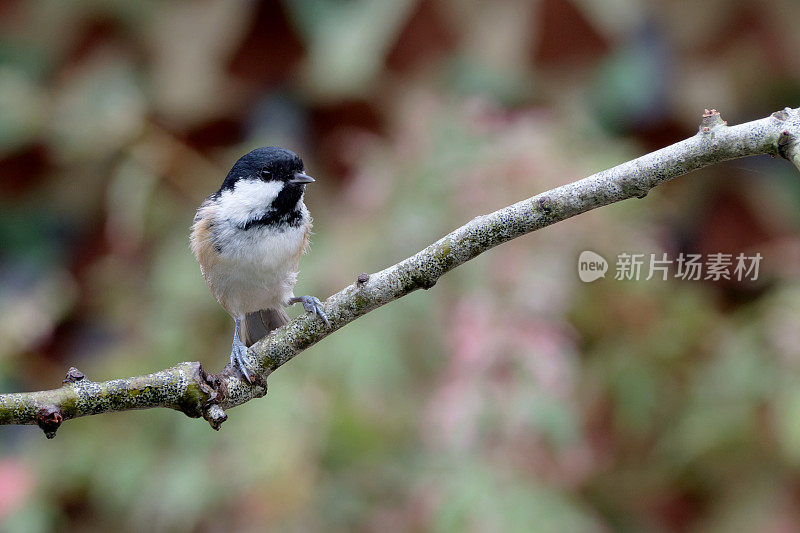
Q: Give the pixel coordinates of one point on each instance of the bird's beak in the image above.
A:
(302, 177)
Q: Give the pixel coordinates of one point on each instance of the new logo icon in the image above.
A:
(591, 266)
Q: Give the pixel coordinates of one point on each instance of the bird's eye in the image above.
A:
(265, 173)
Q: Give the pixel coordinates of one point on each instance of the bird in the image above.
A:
(248, 238)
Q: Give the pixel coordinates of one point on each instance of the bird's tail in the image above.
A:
(257, 325)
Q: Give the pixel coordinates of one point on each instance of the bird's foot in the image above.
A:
(312, 305)
(239, 359)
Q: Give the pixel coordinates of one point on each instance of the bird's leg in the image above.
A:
(312, 305)
(239, 351)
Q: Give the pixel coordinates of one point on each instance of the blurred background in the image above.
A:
(512, 396)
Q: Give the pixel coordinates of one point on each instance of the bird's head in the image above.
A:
(268, 164)
(267, 180)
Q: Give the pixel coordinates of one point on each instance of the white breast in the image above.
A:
(256, 268)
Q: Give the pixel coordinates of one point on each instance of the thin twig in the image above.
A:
(186, 387)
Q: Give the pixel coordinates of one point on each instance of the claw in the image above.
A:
(239, 360)
(312, 305)
(239, 352)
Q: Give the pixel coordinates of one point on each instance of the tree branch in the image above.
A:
(187, 388)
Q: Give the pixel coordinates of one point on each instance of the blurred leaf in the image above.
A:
(347, 42)
(97, 112)
(22, 105)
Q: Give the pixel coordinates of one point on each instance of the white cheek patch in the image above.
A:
(249, 199)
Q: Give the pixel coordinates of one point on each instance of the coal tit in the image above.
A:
(248, 238)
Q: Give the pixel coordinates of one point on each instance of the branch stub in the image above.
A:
(49, 420)
(711, 119)
(73, 375)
